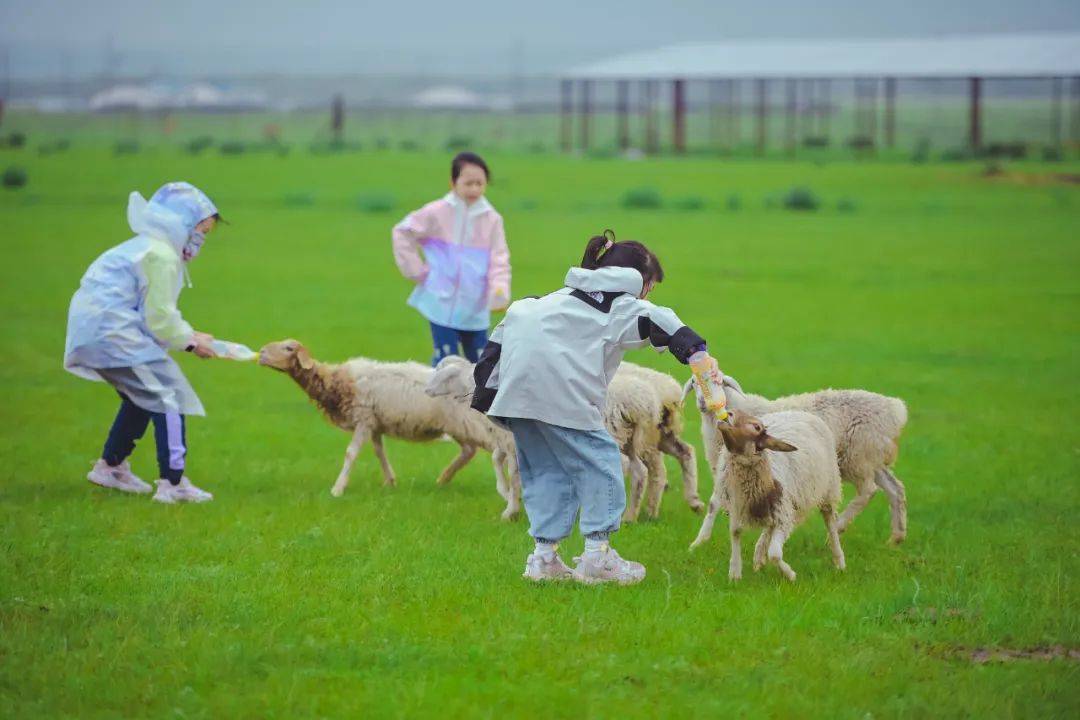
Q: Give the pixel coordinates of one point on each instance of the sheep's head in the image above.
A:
(286, 356)
(746, 435)
(452, 377)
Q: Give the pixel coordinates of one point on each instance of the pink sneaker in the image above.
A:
(118, 478)
(184, 491)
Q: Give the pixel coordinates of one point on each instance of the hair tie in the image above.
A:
(603, 250)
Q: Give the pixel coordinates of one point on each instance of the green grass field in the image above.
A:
(956, 292)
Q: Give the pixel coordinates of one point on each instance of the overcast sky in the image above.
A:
(56, 38)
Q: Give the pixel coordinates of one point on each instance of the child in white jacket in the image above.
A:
(122, 323)
(544, 375)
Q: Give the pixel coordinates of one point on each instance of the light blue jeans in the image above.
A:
(565, 470)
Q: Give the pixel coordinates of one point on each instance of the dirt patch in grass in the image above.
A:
(981, 656)
(1030, 179)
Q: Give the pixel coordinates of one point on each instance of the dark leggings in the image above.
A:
(446, 341)
(170, 434)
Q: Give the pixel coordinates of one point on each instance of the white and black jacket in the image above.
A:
(552, 357)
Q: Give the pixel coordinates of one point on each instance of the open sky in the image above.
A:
(68, 38)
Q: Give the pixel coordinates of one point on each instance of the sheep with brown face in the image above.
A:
(370, 399)
(867, 428)
(773, 484)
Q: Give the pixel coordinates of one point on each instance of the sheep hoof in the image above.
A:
(896, 540)
(696, 505)
(734, 577)
(390, 482)
(509, 515)
(336, 491)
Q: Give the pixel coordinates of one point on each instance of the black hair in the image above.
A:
(603, 251)
(468, 158)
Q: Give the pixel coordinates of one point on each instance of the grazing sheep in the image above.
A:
(632, 416)
(867, 429)
(371, 399)
(775, 490)
(453, 379)
(671, 397)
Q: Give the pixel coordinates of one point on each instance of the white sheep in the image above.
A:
(867, 428)
(773, 484)
(453, 380)
(632, 416)
(370, 399)
(670, 394)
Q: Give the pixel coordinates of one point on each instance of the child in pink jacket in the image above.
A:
(463, 272)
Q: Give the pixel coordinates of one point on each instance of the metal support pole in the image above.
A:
(651, 135)
(1055, 111)
(622, 103)
(761, 87)
(890, 112)
(678, 115)
(825, 108)
(789, 123)
(715, 105)
(975, 114)
(734, 112)
(586, 113)
(566, 112)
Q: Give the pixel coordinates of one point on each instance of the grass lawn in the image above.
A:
(958, 293)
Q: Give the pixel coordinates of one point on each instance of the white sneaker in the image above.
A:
(605, 565)
(182, 492)
(117, 478)
(539, 568)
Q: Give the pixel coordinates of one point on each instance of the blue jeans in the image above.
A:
(563, 471)
(446, 341)
(170, 434)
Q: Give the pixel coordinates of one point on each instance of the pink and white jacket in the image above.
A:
(464, 269)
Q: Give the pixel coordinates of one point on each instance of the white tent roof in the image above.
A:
(1012, 55)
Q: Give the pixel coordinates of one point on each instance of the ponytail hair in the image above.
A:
(604, 251)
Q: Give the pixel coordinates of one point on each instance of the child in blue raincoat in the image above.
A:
(122, 324)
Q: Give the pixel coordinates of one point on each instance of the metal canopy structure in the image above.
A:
(957, 56)
(873, 65)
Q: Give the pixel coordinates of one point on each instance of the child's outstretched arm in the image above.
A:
(406, 238)
(498, 278)
(163, 318)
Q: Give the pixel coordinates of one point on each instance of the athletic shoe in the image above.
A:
(182, 492)
(118, 478)
(539, 568)
(605, 565)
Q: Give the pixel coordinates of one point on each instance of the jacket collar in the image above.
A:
(607, 279)
(480, 206)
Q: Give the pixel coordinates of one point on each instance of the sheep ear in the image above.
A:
(728, 433)
(771, 443)
(304, 358)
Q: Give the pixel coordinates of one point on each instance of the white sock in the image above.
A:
(545, 550)
(593, 546)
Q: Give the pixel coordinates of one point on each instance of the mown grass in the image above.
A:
(953, 291)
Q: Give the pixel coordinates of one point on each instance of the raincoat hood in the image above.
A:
(171, 214)
(605, 279)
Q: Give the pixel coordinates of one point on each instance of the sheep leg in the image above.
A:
(776, 552)
(760, 549)
(828, 512)
(463, 458)
(892, 486)
(687, 457)
(710, 519)
(502, 486)
(734, 572)
(638, 476)
(657, 483)
(380, 452)
(513, 503)
(866, 490)
(360, 436)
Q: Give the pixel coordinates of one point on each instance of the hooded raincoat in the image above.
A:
(123, 319)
